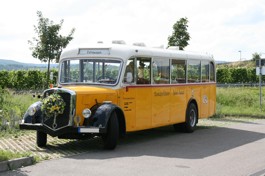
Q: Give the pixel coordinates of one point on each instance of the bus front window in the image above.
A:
(92, 71)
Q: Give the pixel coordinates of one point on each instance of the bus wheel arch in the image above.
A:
(121, 121)
(111, 117)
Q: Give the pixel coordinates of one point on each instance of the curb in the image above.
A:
(16, 163)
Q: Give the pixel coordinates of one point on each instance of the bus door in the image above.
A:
(128, 96)
(128, 104)
(137, 99)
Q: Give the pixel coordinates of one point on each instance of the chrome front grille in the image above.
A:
(65, 119)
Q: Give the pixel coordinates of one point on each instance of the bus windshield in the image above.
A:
(90, 71)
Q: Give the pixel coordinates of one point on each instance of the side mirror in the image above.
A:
(129, 77)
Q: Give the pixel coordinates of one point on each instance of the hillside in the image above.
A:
(241, 64)
(14, 65)
(8, 62)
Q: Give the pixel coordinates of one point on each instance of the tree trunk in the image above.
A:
(48, 73)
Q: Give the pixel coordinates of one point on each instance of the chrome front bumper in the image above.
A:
(66, 130)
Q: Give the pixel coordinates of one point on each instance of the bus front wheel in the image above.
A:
(41, 139)
(110, 139)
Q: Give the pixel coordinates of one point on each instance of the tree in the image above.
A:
(255, 56)
(180, 35)
(49, 43)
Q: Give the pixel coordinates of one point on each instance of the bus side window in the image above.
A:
(212, 72)
(143, 70)
(161, 71)
(205, 71)
(194, 71)
(178, 71)
(129, 71)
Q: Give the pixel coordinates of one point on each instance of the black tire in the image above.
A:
(191, 120)
(110, 139)
(41, 139)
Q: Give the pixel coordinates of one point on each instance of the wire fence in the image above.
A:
(240, 85)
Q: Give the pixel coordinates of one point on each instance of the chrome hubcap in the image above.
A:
(192, 118)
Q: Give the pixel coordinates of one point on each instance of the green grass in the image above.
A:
(7, 155)
(240, 101)
(12, 108)
(17, 102)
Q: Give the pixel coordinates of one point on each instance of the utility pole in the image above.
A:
(260, 76)
(260, 80)
(239, 55)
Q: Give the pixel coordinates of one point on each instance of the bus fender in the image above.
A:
(36, 117)
(103, 113)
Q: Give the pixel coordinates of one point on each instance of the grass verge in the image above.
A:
(8, 155)
(239, 101)
(223, 121)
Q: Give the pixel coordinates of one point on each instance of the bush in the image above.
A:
(4, 79)
(237, 75)
(223, 75)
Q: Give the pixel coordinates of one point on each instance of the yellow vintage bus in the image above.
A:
(110, 90)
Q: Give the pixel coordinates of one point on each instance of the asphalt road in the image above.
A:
(237, 150)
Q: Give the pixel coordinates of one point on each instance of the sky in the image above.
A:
(230, 30)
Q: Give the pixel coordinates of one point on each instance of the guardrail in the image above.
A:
(240, 85)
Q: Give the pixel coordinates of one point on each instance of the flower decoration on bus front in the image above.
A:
(53, 105)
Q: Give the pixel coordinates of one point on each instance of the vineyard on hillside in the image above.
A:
(25, 79)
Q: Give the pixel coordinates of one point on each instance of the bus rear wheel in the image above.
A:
(191, 120)
(110, 139)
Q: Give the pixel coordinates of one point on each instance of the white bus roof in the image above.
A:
(125, 51)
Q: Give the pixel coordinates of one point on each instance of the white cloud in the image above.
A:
(220, 27)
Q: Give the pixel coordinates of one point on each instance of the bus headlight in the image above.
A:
(32, 110)
(86, 113)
